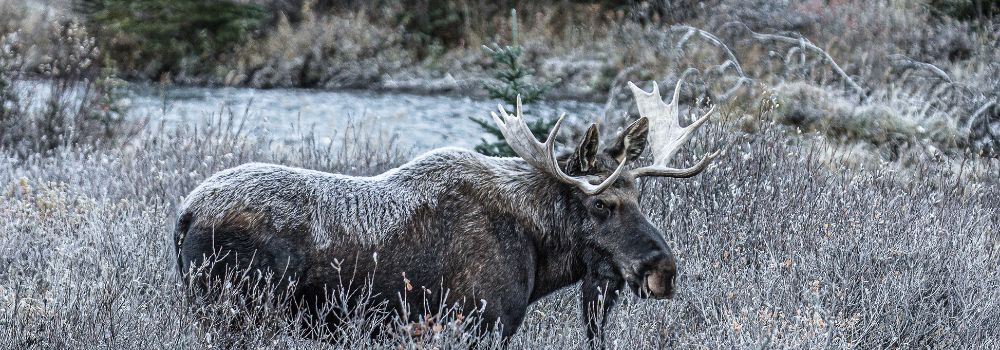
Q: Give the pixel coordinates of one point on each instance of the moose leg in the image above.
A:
(505, 318)
(599, 292)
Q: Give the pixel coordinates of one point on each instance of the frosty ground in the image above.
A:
(786, 242)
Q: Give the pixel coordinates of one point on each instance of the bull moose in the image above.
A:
(496, 233)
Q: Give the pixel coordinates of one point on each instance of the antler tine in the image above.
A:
(666, 134)
(542, 155)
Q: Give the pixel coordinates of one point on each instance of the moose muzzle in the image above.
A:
(658, 279)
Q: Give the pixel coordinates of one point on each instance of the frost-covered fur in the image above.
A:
(355, 209)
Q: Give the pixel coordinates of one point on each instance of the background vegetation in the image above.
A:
(856, 204)
(512, 88)
(156, 38)
(893, 74)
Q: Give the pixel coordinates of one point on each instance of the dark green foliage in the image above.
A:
(160, 36)
(106, 111)
(966, 10)
(513, 81)
(513, 76)
(433, 23)
(10, 68)
(8, 100)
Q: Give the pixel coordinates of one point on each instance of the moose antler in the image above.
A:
(666, 134)
(542, 155)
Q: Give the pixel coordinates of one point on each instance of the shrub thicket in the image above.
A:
(78, 101)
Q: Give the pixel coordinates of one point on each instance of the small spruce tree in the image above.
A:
(513, 80)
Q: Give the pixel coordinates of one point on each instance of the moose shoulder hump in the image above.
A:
(336, 207)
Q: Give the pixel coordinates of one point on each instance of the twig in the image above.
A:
(688, 71)
(979, 112)
(739, 83)
(732, 61)
(804, 44)
(712, 38)
(930, 67)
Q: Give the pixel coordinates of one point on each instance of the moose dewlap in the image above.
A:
(495, 234)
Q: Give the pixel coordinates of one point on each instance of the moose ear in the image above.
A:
(631, 142)
(585, 157)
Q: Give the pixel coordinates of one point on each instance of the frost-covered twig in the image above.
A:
(979, 113)
(804, 43)
(732, 61)
(712, 38)
(739, 83)
(924, 65)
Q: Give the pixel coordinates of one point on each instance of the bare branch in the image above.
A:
(979, 113)
(732, 61)
(924, 65)
(804, 44)
(713, 39)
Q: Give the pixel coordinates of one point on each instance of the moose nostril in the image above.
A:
(660, 277)
(669, 268)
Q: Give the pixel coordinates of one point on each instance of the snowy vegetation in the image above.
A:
(856, 203)
(782, 244)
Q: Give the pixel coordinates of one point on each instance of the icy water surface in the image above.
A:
(417, 121)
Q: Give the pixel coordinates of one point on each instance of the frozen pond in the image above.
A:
(419, 121)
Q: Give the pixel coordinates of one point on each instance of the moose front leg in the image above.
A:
(599, 292)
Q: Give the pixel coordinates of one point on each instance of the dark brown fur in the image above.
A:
(478, 228)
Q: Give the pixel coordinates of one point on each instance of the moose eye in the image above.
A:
(600, 205)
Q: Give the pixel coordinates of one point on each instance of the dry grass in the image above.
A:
(779, 245)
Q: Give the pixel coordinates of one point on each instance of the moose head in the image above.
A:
(612, 223)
